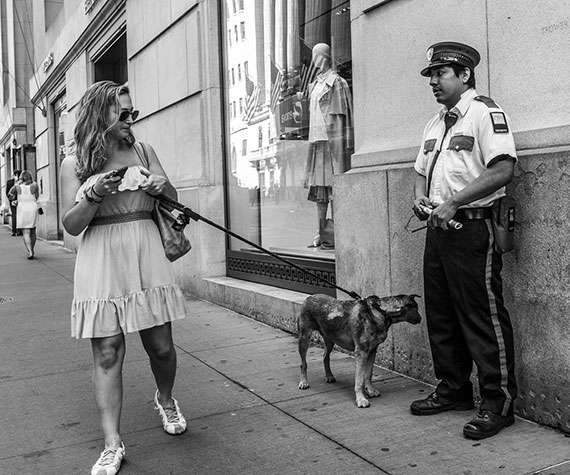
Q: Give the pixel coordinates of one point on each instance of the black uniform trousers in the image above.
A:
(466, 317)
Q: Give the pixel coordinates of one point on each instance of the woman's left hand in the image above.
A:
(155, 184)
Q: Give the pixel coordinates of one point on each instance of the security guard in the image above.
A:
(466, 159)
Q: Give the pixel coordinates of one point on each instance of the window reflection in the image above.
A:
(291, 75)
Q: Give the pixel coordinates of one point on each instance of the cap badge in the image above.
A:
(429, 54)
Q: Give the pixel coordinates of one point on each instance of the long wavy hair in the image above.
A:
(92, 128)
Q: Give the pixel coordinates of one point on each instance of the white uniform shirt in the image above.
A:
(481, 134)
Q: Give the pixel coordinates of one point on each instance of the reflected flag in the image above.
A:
(308, 71)
(308, 74)
(277, 85)
(252, 91)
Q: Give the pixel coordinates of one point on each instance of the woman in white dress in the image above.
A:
(26, 192)
(123, 281)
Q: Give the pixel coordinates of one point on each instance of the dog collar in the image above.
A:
(387, 315)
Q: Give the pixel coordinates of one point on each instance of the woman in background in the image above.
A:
(26, 193)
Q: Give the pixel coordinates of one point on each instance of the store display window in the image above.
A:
(289, 70)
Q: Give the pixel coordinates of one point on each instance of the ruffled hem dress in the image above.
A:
(123, 281)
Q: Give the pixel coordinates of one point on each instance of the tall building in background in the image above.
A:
(17, 144)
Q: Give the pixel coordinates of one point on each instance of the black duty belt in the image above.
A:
(468, 214)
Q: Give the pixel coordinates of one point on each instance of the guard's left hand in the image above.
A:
(441, 215)
(155, 184)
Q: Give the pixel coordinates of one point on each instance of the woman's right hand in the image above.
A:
(107, 184)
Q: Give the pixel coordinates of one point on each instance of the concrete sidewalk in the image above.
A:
(237, 385)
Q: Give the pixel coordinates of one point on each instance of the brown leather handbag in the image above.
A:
(171, 230)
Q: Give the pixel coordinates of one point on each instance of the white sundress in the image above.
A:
(27, 210)
(123, 281)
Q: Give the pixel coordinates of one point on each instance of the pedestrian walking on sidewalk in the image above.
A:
(123, 281)
(12, 200)
(26, 193)
(466, 317)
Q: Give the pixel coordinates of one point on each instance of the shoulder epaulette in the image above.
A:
(490, 103)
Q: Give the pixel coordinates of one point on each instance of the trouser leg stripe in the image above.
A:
(495, 320)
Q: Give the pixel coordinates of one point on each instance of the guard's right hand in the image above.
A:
(424, 201)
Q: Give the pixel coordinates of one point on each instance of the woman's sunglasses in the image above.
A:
(125, 115)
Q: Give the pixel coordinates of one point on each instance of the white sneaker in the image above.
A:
(173, 421)
(109, 462)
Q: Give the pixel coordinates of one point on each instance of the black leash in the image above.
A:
(169, 202)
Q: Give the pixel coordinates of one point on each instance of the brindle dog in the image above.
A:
(355, 325)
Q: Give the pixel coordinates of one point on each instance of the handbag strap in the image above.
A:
(144, 159)
(146, 162)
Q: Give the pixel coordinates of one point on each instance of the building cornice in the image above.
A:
(8, 134)
(109, 11)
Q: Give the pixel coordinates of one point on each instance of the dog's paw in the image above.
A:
(372, 391)
(362, 402)
(304, 385)
(331, 379)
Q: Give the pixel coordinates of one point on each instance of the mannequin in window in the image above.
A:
(330, 134)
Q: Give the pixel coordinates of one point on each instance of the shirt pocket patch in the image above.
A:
(461, 142)
(429, 145)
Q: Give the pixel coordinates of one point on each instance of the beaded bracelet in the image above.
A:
(90, 199)
(96, 194)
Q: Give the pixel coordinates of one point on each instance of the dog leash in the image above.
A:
(169, 202)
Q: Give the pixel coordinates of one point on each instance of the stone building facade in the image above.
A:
(235, 150)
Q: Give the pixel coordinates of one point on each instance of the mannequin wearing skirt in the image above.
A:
(330, 132)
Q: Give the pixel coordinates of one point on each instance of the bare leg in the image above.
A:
(158, 344)
(108, 356)
(32, 240)
(26, 234)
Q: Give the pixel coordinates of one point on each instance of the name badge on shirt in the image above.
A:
(429, 145)
(499, 122)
